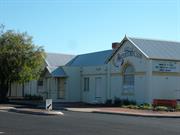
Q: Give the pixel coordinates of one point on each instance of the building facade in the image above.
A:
(135, 69)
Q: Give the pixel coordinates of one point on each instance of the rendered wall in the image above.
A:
(94, 95)
(140, 65)
(165, 84)
(73, 87)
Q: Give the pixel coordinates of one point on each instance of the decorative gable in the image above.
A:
(127, 50)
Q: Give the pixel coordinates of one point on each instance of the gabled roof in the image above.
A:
(57, 59)
(54, 61)
(154, 49)
(158, 49)
(56, 71)
(91, 59)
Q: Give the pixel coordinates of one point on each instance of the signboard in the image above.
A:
(165, 66)
(48, 104)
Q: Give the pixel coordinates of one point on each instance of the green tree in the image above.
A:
(20, 60)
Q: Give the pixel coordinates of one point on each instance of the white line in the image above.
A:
(1, 132)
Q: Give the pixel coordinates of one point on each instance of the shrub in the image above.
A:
(146, 106)
(118, 101)
(130, 106)
(178, 107)
(33, 97)
(128, 102)
(109, 102)
(161, 108)
(125, 102)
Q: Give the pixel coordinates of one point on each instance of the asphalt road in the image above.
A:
(74, 123)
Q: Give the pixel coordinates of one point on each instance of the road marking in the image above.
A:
(1, 132)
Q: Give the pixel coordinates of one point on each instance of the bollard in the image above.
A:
(49, 104)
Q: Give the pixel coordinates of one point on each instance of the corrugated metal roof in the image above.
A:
(57, 71)
(55, 59)
(91, 59)
(157, 49)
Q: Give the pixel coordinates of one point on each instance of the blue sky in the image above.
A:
(82, 26)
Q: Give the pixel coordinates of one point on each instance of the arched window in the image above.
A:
(128, 79)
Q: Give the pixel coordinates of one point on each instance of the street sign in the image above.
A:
(49, 104)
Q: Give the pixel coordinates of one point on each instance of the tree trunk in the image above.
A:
(9, 89)
(23, 89)
(3, 92)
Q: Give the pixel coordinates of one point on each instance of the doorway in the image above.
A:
(61, 88)
(98, 91)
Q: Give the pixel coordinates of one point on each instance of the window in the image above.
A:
(40, 85)
(86, 84)
(128, 79)
(40, 82)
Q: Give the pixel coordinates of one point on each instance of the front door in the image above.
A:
(98, 89)
(61, 88)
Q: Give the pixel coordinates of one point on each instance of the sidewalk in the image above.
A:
(128, 112)
(27, 110)
(57, 108)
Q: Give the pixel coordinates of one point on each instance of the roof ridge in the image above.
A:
(60, 53)
(94, 52)
(154, 39)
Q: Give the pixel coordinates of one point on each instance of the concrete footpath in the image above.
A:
(128, 112)
(27, 110)
(87, 109)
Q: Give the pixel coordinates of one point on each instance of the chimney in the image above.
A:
(115, 45)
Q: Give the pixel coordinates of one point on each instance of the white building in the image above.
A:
(45, 86)
(136, 69)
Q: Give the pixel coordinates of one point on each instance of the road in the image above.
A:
(76, 123)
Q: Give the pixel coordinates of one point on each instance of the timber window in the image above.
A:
(128, 79)
(86, 84)
(40, 82)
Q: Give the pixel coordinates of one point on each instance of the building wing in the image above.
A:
(153, 49)
(91, 59)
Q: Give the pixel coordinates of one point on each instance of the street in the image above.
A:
(76, 123)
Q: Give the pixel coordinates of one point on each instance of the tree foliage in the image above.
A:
(20, 60)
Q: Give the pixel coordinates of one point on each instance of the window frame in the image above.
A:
(40, 82)
(128, 79)
(86, 83)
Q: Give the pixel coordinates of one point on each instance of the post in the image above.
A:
(49, 104)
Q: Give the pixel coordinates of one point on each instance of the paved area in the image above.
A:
(108, 110)
(129, 112)
(28, 110)
(78, 123)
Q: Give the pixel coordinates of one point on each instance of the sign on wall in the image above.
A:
(165, 66)
(127, 52)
